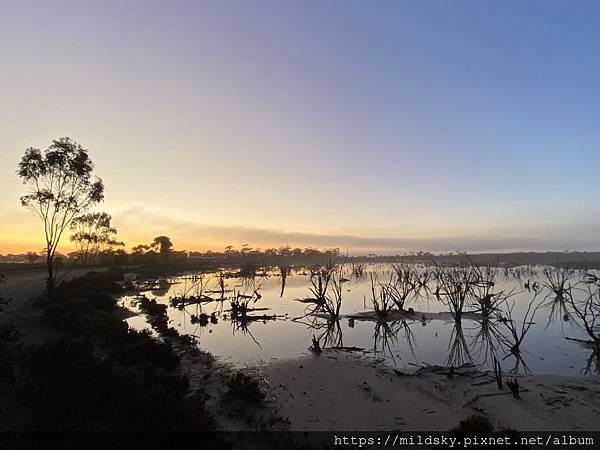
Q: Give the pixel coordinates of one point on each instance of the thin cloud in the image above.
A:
(194, 235)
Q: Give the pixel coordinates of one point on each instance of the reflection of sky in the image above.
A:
(402, 119)
(545, 349)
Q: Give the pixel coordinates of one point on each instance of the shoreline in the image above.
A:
(318, 392)
(313, 392)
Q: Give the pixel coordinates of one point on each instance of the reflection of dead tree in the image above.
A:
(331, 335)
(514, 340)
(458, 350)
(587, 313)
(409, 336)
(284, 271)
(241, 326)
(486, 342)
(385, 337)
(328, 331)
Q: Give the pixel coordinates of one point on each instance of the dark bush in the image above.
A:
(139, 347)
(481, 426)
(473, 425)
(244, 387)
(66, 387)
(98, 374)
(81, 317)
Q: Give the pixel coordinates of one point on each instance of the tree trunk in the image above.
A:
(50, 267)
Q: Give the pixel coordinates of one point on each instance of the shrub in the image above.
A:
(81, 317)
(66, 387)
(139, 347)
(244, 387)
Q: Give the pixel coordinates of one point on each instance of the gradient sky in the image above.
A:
(376, 125)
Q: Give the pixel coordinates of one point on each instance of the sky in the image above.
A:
(369, 126)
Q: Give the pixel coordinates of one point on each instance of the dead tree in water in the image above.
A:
(402, 285)
(454, 287)
(517, 334)
(587, 313)
(558, 283)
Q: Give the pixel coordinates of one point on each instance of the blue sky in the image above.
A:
(446, 122)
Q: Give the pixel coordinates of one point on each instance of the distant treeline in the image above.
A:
(144, 255)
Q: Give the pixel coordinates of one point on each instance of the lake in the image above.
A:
(279, 322)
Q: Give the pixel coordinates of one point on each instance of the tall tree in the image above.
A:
(93, 234)
(163, 244)
(61, 188)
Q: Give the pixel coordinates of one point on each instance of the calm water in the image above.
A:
(421, 340)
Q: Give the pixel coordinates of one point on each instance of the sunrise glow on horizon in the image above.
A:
(372, 127)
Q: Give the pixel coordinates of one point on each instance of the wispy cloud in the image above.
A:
(195, 235)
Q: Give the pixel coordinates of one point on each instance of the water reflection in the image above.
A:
(467, 314)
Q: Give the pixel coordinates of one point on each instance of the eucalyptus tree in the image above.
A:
(93, 234)
(163, 244)
(61, 187)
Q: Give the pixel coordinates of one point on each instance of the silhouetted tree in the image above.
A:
(93, 234)
(32, 257)
(62, 188)
(163, 244)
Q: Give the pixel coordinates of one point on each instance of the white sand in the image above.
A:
(344, 391)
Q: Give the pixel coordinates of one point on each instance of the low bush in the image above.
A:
(65, 386)
(244, 387)
(82, 317)
(99, 375)
(480, 426)
(139, 347)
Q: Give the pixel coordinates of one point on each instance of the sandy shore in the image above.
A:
(345, 391)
